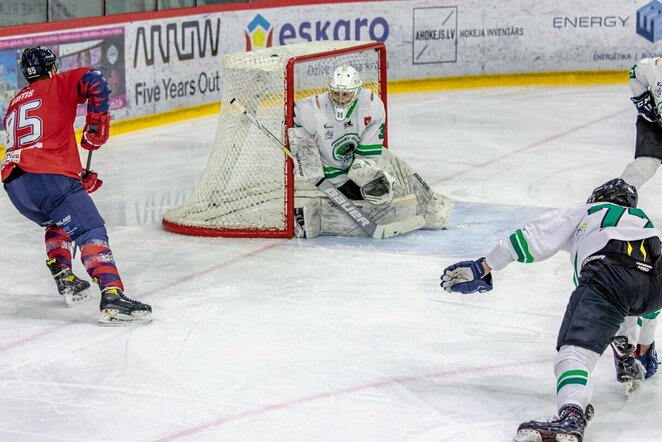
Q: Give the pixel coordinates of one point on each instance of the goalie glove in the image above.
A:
(96, 130)
(376, 185)
(466, 277)
(645, 108)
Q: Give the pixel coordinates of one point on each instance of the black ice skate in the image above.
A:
(71, 287)
(569, 426)
(629, 370)
(117, 309)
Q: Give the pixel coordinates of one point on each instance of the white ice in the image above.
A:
(330, 339)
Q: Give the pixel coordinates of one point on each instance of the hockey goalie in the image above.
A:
(339, 135)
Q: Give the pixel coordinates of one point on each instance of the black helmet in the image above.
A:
(615, 191)
(38, 61)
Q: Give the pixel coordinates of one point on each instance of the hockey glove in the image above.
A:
(96, 130)
(649, 360)
(466, 277)
(644, 105)
(376, 185)
(91, 181)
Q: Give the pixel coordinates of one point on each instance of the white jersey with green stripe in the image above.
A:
(359, 134)
(647, 76)
(581, 231)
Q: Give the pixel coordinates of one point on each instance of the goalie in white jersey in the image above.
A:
(614, 250)
(347, 123)
(339, 135)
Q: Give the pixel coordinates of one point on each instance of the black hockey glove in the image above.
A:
(645, 106)
(466, 277)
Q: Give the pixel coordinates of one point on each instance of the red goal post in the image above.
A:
(248, 188)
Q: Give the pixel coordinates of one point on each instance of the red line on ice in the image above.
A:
(341, 392)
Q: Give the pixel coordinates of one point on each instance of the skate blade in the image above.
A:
(631, 388)
(534, 436)
(527, 436)
(71, 299)
(113, 318)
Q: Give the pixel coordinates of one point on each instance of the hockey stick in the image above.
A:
(377, 231)
(88, 164)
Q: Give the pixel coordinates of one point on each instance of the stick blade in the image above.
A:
(396, 228)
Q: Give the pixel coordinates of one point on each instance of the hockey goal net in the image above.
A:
(248, 188)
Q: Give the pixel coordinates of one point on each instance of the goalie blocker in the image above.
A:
(392, 190)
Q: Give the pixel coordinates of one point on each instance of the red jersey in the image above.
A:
(39, 124)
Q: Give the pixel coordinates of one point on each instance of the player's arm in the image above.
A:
(304, 114)
(372, 140)
(537, 240)
(93, 88)
(376, 185)
(640, 86)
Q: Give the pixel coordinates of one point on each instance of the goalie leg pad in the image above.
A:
(433, 206)
(310, 210)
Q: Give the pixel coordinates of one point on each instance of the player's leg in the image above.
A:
(591, 320)
(25, 192)
(58, 248)
(647, 156)
(79, 218)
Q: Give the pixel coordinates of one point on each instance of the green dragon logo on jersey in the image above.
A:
(344, 148)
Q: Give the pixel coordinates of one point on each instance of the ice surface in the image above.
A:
(330, 339)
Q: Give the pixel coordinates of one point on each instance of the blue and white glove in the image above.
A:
(466, 277)
(645, 106)
(649, 360)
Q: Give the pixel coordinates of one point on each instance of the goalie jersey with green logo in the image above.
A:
(360, 133)
(580, 231)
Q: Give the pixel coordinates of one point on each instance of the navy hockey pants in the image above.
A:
(57, 200)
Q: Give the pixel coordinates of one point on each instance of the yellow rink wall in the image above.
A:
(408, 86)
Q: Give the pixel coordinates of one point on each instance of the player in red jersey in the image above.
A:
(45, 181)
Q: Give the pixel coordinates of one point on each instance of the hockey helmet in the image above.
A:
(615, 191)
(37, 62)
(344, 88)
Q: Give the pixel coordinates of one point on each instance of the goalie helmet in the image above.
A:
(37, 62)
(615, 191)
(344, 88)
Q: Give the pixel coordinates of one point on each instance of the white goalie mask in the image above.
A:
(344, 88)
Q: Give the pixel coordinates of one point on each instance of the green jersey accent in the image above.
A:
(332, 172)
(521, 247)
(351, 109)
(369, 150)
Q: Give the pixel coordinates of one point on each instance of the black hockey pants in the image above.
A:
(609, 289)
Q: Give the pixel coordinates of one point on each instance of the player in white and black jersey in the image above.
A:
(615, 253)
